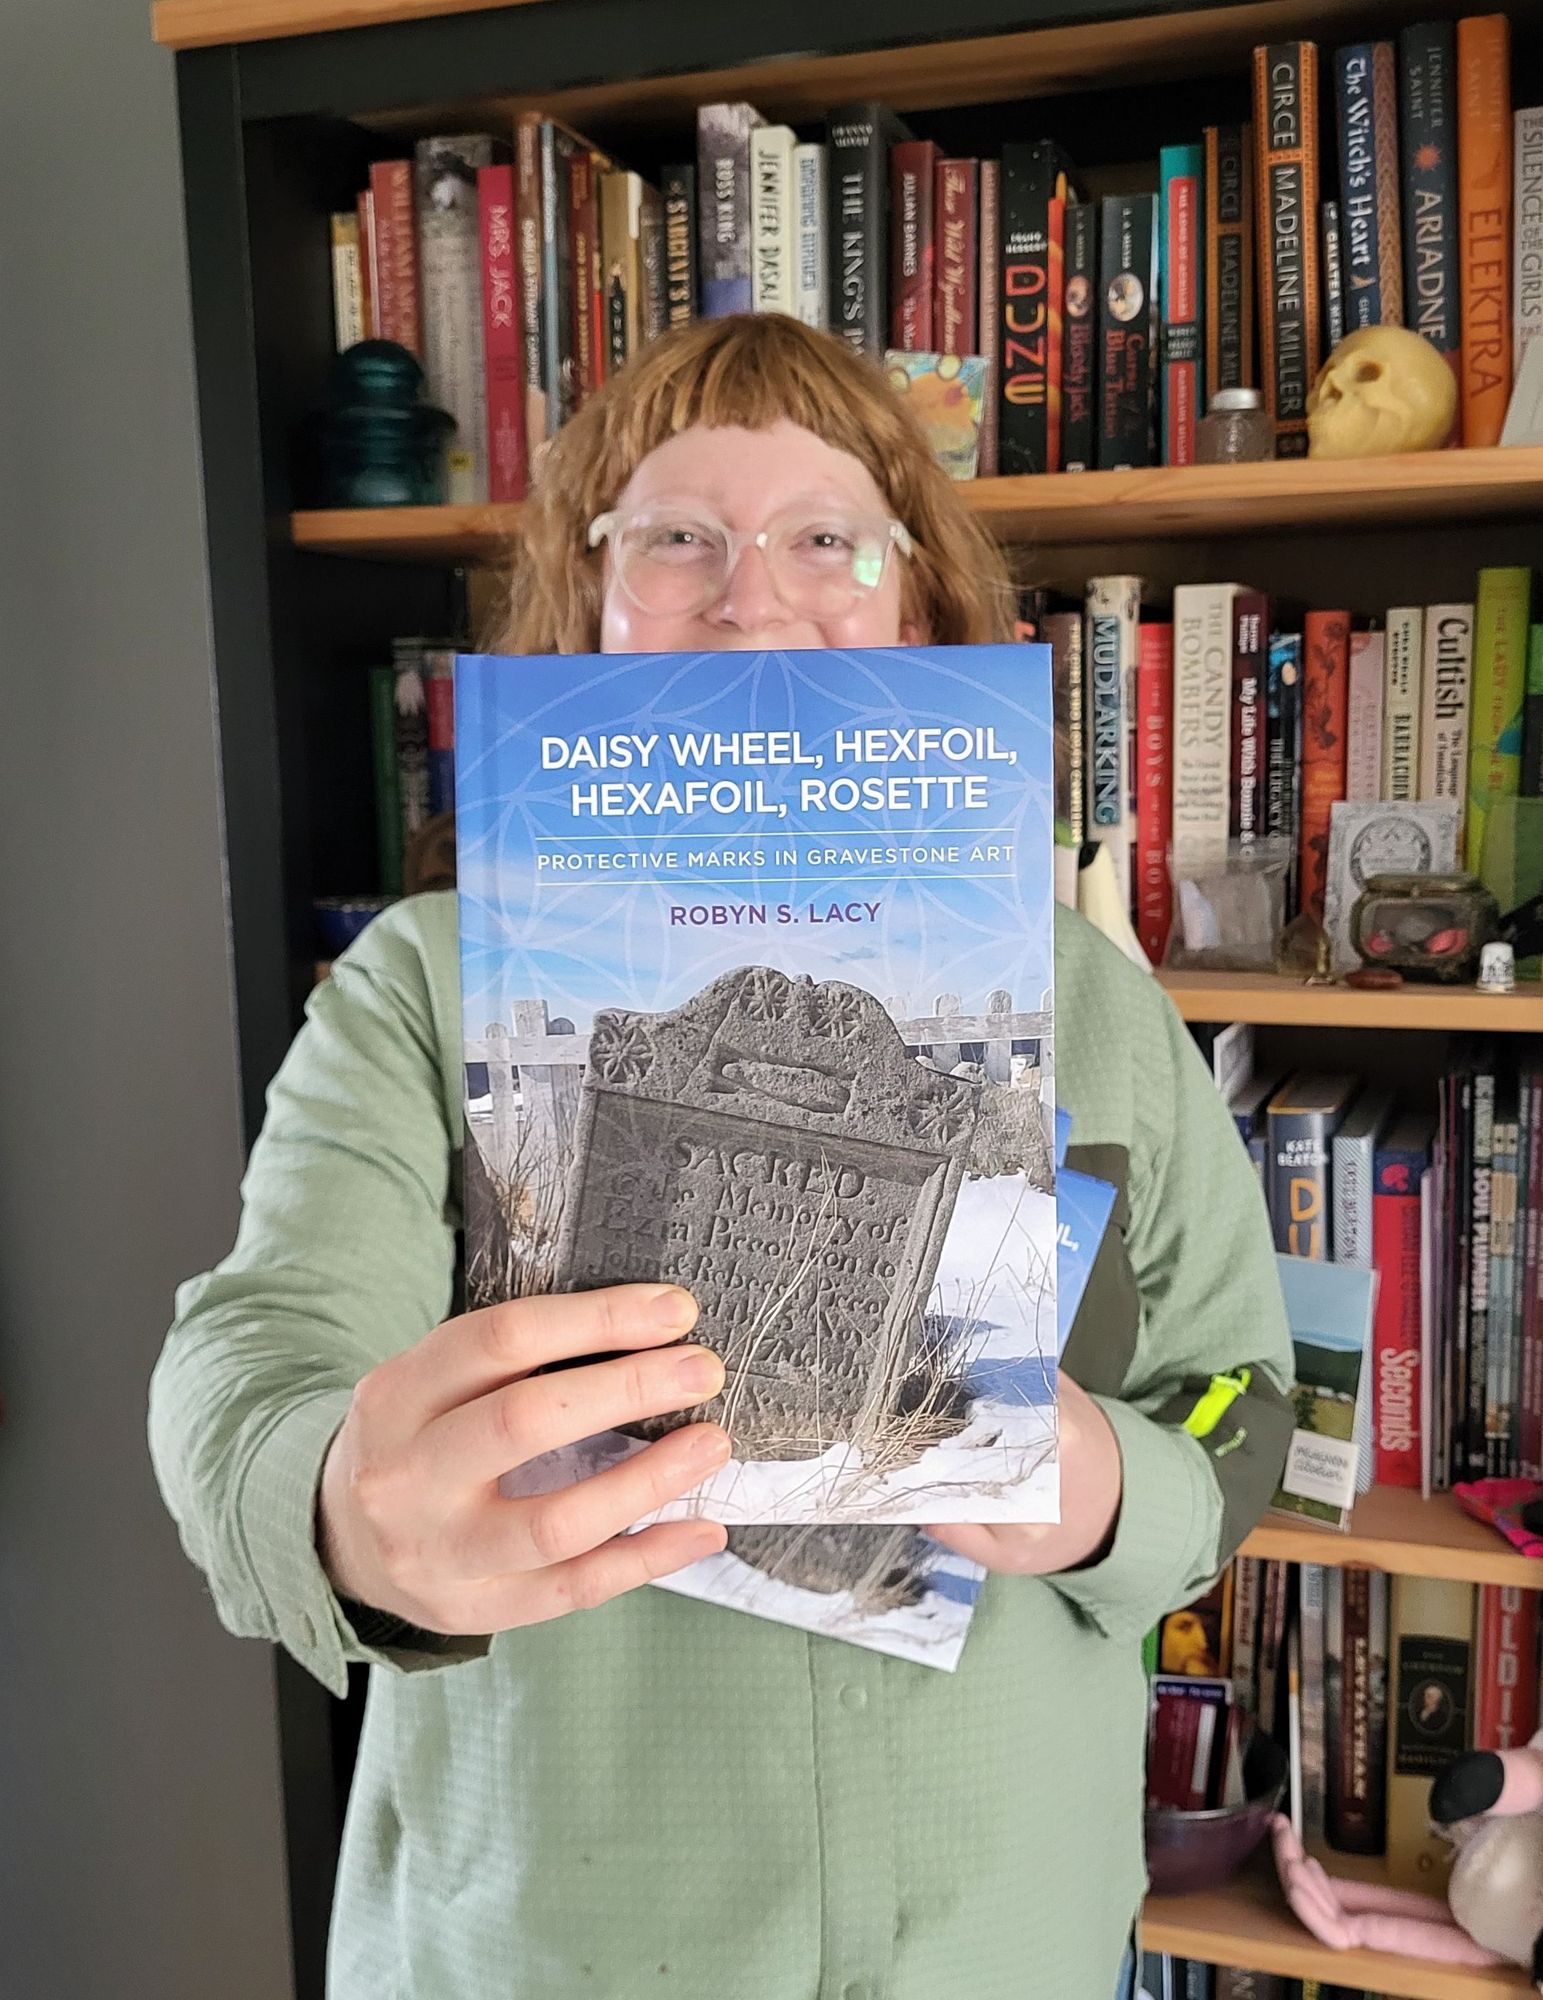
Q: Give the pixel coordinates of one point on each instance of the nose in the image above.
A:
(750, 597)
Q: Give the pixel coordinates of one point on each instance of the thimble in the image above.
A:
(1497, 968)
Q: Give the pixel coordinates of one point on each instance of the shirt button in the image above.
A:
(856, 1699)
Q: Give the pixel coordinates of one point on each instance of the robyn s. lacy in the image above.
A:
(822, 912)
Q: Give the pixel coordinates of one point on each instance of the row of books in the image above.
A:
(1194, 729)
(1162, 1976)
(522, 276)
(1373, 1684)
(412, 747)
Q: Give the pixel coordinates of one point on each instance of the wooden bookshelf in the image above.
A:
(1248, 1923)
(1394, 1530)
(202, 24)
(1271, 1001)
(1161, 503)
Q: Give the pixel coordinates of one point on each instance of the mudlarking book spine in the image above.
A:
(1484, 222)
(1035, 187)
(1527, 223)
(1079, 339)
(1113, 612)
(955, 298)
(772, 237)
(1500, 634)
(1229, 258)
(723, 203)
(1366, 94)
(503, 336)
(1286, 136)
(678, 186)
(912, 247)
(1127, 332)
(1181, 171)
(1202, 734)
(1154, 786)
(1331, 259)
(449, 243)
(1427, 125)
(1444, 705)
(1250, 665)
(1401, 703)
(859, 137)
(988, 316)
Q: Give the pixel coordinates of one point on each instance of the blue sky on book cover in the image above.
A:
(631, 829)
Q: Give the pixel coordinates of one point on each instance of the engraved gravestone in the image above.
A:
(771, 1146)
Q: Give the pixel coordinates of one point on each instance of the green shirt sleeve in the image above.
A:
(1203, 1259)
(344, 1256)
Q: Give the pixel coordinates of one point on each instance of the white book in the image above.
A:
(1202, 722)
(771, 219)
(811, 297)
(1112, 611)
(1401, 703)
(449, 245)
(1363, 716)
(1444, 703)
(1527, 243)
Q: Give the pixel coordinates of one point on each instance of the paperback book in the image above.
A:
(757, 954)
(1329, 1307)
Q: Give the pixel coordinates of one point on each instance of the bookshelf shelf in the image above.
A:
(1272, 1001)
(1247, 1923)
(1160, 503)
(202, 24)
(1393, 1529)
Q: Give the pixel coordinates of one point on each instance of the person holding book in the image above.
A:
(660, 1795)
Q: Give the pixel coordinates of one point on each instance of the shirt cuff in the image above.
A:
(1168, 1528)
(277, 1511)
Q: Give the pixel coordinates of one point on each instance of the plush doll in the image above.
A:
(1490, 1805)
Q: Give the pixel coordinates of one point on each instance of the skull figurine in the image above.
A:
(1383, 389)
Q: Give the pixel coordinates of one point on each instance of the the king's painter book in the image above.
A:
(757, 981)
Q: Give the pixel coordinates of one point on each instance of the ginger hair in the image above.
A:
(748, 370)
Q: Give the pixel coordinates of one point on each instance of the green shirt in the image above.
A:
(667, 1797)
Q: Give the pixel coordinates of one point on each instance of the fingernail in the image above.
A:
(707, 1445)
(700, 1371)
(673, 1308)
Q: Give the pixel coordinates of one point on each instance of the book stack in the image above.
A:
(412, 744)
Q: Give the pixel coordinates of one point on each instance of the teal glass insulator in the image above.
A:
(377, 442)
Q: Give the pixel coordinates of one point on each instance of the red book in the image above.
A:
(1484, 193)
(1154, 787)
(1250, 649)
(1325, 698)
(988, 323)
(1398, 1161)
(399, 292)
(503, 334)
(584, 232)
(912, 174)
(954, 300)
(1505, 1710)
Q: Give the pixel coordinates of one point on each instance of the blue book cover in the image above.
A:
(1427, 125)
(757, 964)
(1370, 252)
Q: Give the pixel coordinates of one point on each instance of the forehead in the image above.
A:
(741, 472)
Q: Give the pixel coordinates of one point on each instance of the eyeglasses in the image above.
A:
(674, 560)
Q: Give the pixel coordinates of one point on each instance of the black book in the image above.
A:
(1427, 132)
(1127, 331)
(860, 136)
(678, 188)
(1331, 252)
(1079, 339)
(1035, 188)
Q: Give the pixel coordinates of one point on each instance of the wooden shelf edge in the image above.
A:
(204, 24)
(1394, 1530)
(1272, 1001)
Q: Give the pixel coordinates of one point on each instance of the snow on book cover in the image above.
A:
(757, 984)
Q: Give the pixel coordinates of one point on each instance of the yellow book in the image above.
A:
(1429, 1719)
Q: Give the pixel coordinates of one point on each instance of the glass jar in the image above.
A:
(1235, 430)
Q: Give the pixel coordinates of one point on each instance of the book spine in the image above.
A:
(1250, 647)
(412, 737)
(1444, 705)
(557, 278)
(503, 335)
(1428, 142)
(1363, 712)
(347, 283)
(1202, 740)
(369, 278)
(772, 277)
(1502, 1241)
(1229, 258)
(1154, 787)
(1459, 1226)
(388, 802)
(1113, 611)
(1401, 704)
(1532, 717)
(528, 223)
(1481, 1173)
(449, 239)
(621, 265)
(912, 177)
(956, 295)
(1181, 169)
(1283, 748)
(439, 702)
(1063, 631)
(1331, 258)
(1286, 131)
(1484, 222)
(651, 248)
(1530, 1428)
(988, 315)
(398, 294)
(1314, 1720)
(1396, 1390)
(1325, 700)
(1299, 1182)
(1505, 1695)
(1527, 241)
(811, 274)
(1500, 636)
(859, 227)
(1247, 1596)
(1368, 165)
(1126, 331)
(678, 186)
(1429, 1697)
(1079, 348)
(1032, 178)
(1357, 1802)
(588, 319)
(723, 184)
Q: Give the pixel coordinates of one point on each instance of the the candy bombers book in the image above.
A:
(757, 964)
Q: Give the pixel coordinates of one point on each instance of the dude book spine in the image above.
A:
(860, 136)
(1229, 258)
(912, 184)
(1113, 609)
(1368, 171)
(1286, 135)
(1427, 72)
(1079, 339)
(1034, 193)
(1127, 331)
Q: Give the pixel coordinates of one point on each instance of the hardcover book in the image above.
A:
(529, 226)
(678, 186)
(811, 290)
(1110, 646)
(1401, 703)
(1202, 732)
(1079, 339)
(1444, 703)
(913, 166)
(859, 137)
(1429, 1704)
(955, 294)
(1527, 247)
(1427, 74)
(1127, 332)
(1325, 702)
(988, 317)
(1229, 258)
(1401, 1159)
(757, 967)
(1286, 134)
(723, 206)
(1250, 644)
(1484, 222)
(1500, 632)
(1368, 168)
(1183, 288)
(1036, 186)
(450, 249)
(773, 245)
(1331, 243)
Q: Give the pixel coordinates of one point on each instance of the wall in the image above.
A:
(140, 1838)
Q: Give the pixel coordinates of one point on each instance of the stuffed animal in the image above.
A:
(1490, 1805)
